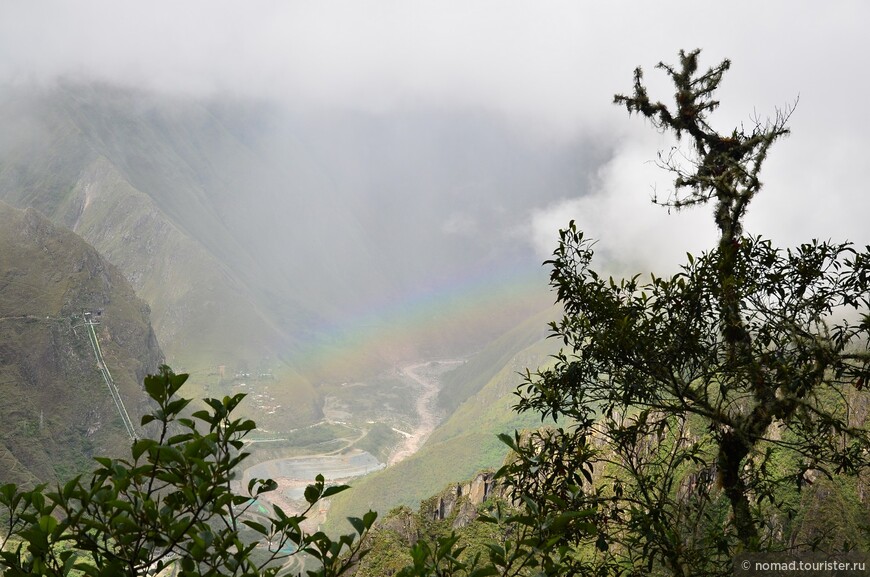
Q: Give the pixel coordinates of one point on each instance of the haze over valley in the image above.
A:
(343, 213)
(296, 259)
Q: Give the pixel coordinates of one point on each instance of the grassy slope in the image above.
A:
(56, 411)
(466, 442)
(459, 385)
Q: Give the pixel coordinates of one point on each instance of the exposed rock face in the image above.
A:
(463, 499)
(403, 522)
(480, 488)
(394, 535)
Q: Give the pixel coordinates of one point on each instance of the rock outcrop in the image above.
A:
(454, 508)
(460, 501)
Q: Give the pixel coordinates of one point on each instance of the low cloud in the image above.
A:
(631, 233)
(460, 224)
(546, 70)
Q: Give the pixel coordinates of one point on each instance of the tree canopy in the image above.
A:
(706, 393)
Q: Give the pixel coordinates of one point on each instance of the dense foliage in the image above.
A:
(171, 502)
(696, 400)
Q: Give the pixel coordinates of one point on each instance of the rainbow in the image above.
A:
(429, 323)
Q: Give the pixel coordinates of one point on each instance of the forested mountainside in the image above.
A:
(829, 513)
(57, 410)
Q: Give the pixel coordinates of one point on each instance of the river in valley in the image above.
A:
(293, 474)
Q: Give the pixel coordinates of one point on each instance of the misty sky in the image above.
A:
(547, 70)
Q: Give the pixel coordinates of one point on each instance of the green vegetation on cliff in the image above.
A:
(56, 411)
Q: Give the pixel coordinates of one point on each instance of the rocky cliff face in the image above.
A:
(456, 507)
(57, 411)
(459, 503)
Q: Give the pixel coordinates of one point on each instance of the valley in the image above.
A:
(423, 276)
(377, 335)
(335, 448)
(355, 349)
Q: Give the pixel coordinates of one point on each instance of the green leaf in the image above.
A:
(141, 446)
(330, 491)
(155, 386)
(369, 519)
(70, 487)
(312, 494)
(104, 461)
(47, 523)
(357, 524)
(258, 527)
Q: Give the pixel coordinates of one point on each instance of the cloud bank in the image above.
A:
(548, 70)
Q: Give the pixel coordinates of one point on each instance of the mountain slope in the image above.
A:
(78, 165)
(57, 411)
(311, 226)
(311, 249)
(467, 380)
(467, 441)
(86, 159)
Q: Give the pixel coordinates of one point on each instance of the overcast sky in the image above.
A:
(548, 69)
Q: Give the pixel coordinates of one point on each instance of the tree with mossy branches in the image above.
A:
(694, 402)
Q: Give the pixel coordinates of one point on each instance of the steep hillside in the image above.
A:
(106, 165)
(124, 176)
(830, 512)
(467, 380)
(261, 239)
(466, 442)
(57, 411)
(453, 510)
